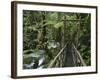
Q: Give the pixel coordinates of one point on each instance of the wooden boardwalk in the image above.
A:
(68, 56)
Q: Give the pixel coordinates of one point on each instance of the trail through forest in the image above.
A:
(56, 39)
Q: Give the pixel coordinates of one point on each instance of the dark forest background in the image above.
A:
(46, 33)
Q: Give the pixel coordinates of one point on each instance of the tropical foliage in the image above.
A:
(46, 33)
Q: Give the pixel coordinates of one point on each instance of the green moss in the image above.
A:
(27, 60)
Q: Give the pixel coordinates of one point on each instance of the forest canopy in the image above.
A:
(56, 39)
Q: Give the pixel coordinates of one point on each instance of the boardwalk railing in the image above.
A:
(78, 58)
(58, 61)
(57, 57)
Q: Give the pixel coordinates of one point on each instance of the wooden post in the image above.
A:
(64, 36)
(69, 59)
